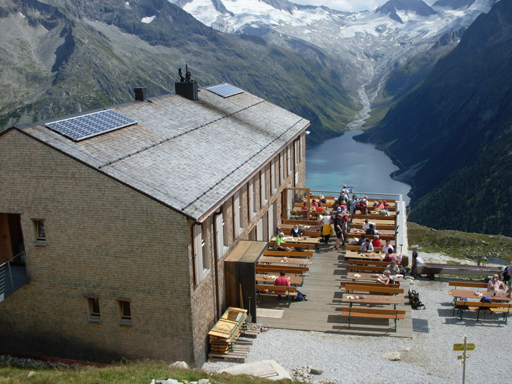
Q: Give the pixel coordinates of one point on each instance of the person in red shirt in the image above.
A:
(282, 281)
(376, 242)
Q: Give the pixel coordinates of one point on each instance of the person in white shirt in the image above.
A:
(386, 247)
(366, 224)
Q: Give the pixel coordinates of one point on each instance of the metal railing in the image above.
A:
(400, 226)
(13, 275)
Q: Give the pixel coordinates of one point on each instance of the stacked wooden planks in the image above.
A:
(225, 333)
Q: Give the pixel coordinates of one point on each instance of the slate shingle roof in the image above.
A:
(187, 155)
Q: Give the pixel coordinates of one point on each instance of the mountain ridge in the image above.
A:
(456, 124)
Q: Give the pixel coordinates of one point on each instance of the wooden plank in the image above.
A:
(288, 254)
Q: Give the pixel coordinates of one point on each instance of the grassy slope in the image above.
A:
(459, 244)
(131, 373)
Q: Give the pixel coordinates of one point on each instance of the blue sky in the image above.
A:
(349, 5)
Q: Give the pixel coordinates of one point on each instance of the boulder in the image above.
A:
(392, 356)
(179, 364)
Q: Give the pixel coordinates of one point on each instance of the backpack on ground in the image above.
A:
(301, 296)
(414, 300)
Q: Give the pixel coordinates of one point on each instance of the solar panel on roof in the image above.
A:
(94, 124)
(225, 90)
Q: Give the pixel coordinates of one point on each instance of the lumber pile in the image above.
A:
(225, 334)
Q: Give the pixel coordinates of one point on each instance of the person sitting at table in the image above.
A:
(385, 278)
(298, 199)
(378, 205)
(366, 225)
(376, 242)
(279, 242)
(383, 212)
(393, 268)
(390, 256)
(282, 281)
(495, 284)
(387, 246)
(298, 232)
(314, 203)
(371, 230)
(304, 209)
(367, 247)
(320, 209)
(362, 240)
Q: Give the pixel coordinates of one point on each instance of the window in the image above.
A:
(250, 198)
(40, 231)
(289, 160)
(93, 304)
(219, 234)
(281, 168)
(200, 254)
(301, 147)
(296, 152)
(273, 179)
(263, 184)
(236, 214)
(125, 312)
(242, 212)
(271, 226)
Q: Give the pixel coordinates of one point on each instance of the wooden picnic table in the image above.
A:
(373, 299)
(268, 278)
(358, 276)
(382, 224)
(382, 232)
(470, 294)
(282, 260)
(364, 256)
(306, 227)
(300, 240)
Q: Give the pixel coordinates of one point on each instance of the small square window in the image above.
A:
(93, 304)
(40, 230)
(125, 312)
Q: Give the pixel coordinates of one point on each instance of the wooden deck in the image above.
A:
(322, 311)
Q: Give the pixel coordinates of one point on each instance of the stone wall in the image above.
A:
(103, 240)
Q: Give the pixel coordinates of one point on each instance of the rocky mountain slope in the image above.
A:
(61, 56)
(367, 45)
(452, 136)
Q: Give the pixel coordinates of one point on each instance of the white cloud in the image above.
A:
(349, 5)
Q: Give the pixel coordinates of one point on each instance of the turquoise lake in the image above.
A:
(343, 160)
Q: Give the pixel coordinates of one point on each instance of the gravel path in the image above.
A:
(426, 358)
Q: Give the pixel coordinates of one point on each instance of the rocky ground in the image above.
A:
(426, 358)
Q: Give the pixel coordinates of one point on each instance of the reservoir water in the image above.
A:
(343, 160)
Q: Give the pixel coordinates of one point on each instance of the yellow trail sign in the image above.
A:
(460, 347)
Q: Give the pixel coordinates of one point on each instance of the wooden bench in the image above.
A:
(504, 308)
(468, 284)
(366, 268)
(288, 232)
(288, 254)
(305, 222)
(343, 284)
(367, 262)
(358, 247)
(277, 290)
(373, 287)
(291, 245)
(289, 269)
(372, 313)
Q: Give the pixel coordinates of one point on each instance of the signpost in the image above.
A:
(463, 347)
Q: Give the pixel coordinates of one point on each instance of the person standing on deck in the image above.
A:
(327, 228)
(414, 261)
(338, 228)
